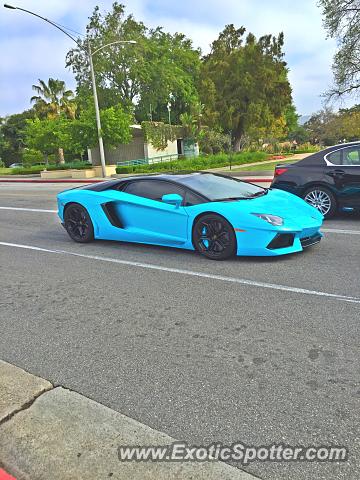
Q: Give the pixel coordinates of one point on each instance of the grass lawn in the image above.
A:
(5, 171)
(263, 166)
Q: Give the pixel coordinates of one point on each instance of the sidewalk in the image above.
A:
(51, 432)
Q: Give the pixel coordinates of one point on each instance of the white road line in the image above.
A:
(28, 209)
(335, 230)
(192, 273)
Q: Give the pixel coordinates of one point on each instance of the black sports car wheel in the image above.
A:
(322, 199)
(78, 223)
(214, 237)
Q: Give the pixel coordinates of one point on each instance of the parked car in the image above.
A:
(328, 180)
(16, 165)
(217, 216)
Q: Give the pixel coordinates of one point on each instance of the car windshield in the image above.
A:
(216, 187)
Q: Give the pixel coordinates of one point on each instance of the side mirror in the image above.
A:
(172, 199)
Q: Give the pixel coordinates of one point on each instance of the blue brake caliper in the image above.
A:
(205, 242)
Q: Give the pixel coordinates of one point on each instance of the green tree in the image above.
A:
(192, 122)
(45, 135)
(12, 140)
(142, 76)
(249, 86)
(171, 71)
(115, 124)
(300, 134)
(4, 145)
(342, 21)
(292, 120)
(322, 127)
(53, 100)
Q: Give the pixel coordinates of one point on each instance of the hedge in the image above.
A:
(39, 168)
(197, 163)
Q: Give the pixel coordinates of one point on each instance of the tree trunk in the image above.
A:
(238, 134)
(61, 155)
(237, 143)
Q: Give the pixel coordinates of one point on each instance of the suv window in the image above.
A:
(351, 156)
(153, 189)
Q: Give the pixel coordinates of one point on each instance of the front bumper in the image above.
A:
(272, 243)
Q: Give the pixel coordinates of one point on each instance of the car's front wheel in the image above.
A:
(214, 237)
(322, 199)
(78, 223)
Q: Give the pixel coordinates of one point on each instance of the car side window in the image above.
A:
(153, 189)
(192, 199)
(335, 157)
(351, 156)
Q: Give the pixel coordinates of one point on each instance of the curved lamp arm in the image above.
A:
(6, 5)
(113, 43)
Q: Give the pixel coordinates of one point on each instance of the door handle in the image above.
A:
(337, 173)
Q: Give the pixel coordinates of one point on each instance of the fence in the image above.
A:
(145, 161)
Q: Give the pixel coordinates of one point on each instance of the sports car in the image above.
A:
(216, 215)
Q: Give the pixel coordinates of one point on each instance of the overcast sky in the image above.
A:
(31, 49)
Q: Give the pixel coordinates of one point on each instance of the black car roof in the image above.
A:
(318, 157)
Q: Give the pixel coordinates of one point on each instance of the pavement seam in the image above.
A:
(26, 405)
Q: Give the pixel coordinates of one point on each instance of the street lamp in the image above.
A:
(90, 55)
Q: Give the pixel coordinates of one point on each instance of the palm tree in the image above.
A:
(52, 100)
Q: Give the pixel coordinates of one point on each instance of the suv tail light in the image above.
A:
(280, 170)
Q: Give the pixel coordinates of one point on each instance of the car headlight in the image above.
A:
(272, 219)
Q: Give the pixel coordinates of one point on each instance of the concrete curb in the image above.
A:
(38, 180)
(5, 476)
(62, 435)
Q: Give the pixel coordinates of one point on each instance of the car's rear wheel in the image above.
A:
(322, 199)
(214, 237)
(78, 223)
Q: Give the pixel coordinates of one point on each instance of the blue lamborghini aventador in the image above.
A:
(216, 215)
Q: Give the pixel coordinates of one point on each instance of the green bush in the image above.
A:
(197, 163)
(307, 147)
(39, 168)
(213, 142)
(26, 170)
(127, 169)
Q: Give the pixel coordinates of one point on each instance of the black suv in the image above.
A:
(329, 180)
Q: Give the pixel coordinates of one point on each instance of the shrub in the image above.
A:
(26, 170)
(197, 163)
(307, 147)
(78, 165)
(124, 169)
(212, 142)
(39, 168)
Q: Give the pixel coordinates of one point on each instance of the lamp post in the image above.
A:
(90, 55)
(96, 101)
(168, 106)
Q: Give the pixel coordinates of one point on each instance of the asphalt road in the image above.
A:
(199, 357)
